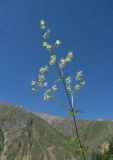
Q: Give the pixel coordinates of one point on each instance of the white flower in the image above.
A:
(54, 88)
(68, 79)
(46, 34)
(52, 60)
(47, 46)
(44, 44)
(48, 94)
(42, 24)
(43, 70)
(69, 56)
(33, 82)
(68, 84)
(45, 84)
(41, 79)
(57, 43)
(62, 63)
(79, 75)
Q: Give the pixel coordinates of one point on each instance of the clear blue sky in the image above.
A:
(84, 26)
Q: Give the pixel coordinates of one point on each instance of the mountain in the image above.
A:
(96, 133)
(26, 136)
(37, 136)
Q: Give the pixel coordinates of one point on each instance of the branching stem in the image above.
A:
(72, 109)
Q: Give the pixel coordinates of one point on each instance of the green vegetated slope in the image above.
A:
(24, 136)
(97, 132)
(30, 136)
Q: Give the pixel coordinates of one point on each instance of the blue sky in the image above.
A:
(83, 26)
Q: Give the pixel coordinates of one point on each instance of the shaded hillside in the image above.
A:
(24, 136)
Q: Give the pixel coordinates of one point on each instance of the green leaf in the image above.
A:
(75, 113)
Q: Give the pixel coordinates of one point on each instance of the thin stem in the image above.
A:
(72, 109)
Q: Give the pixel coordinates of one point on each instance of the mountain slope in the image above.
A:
(30, 136)
(97, 132)
(24, 136)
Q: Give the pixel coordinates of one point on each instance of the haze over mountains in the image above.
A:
(36, 136)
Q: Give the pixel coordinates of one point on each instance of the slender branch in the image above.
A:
(72, 109)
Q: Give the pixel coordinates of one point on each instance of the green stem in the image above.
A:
(72, 109)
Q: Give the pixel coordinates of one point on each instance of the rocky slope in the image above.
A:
(97, 132)
(29, 136)
(24, 136)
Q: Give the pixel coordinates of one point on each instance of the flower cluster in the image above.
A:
(64, 61)
(41, 79)
(47, 46)
(69, 56)
(46, 34)
(33, 84)
(42, 25)
(79, 80)
(68, 84)
(54, 88)
(79, 75)
(41, 76)
(43, 70)
(52, 60)
(49, 93)
(58, 43)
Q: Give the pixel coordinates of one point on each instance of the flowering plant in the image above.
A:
(49, 93)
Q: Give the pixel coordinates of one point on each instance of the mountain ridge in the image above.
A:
(25, 135)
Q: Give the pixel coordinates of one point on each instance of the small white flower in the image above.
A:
(42, 24)
(46, 34)
(68, 84)
(33, 82)
(45, 84)
(49, 47)
(69, 56)
(68, 79)
(48, 94)
(43, 70)
(44, 44)
(79, 75)
(52, 60)
(41, 77)
(62, 63)
(58, 43)
(54, 87)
